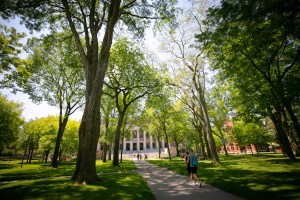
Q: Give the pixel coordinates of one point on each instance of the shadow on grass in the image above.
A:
(35, 171)
(121, 186)
(6, 166)
(252, 184)
(38, 170)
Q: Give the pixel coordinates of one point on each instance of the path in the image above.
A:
(170, 185)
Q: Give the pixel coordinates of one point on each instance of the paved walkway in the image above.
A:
(170, 185)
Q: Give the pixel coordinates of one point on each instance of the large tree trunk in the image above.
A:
(88, 137)
(225, 149)
(201, 136)
(281, 135)
(104, 152)
(294, 142)
(202, 111)
(109, 150)
(290, 111)
(31, 154)
(207, 129)
(177, 148)
(24, 156)
(167, 141)
(90, 124)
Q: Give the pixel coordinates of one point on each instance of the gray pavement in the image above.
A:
(170, 185)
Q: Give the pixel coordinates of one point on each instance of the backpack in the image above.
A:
(195, 161)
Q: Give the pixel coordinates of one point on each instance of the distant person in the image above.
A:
(194, 167)
(188, 168)
(145, 156)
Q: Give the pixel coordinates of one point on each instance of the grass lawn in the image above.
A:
(39, 181)
(263, 176)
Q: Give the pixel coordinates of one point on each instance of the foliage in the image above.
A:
(10, 122)
(69, 144)
(255, 48)
(249, 133)
(43, 132)
(10, 48)
(53, 72)
(129, 80)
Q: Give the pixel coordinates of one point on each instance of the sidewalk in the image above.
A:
(170, 185)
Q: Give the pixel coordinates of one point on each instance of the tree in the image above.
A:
(10, 122)
(187, 55)
(219, 111)
(29, 139)
(108, 124)
(90, 19)
(246, 134)
(159, 110)
(130, 78)
(254, 44)
(53, 73)
(181, 125)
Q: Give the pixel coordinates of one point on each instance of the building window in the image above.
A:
(141, 135)
(134, 134)
(127, 146)
(154, 145)
(141, 146)
(147, 135)
(134, 147)
(148, 145)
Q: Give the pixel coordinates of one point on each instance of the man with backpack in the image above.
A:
(192, 159)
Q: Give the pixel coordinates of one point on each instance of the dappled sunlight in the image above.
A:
(262, 176)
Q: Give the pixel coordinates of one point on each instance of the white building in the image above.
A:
(142, 143)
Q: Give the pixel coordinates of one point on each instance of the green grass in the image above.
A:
(39, 181)
(264, 176)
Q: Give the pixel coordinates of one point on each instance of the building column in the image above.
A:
(145, 140)
(151, 146)
(138, 141)
(131, 145)
(124, 144)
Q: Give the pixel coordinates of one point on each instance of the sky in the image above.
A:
(33, 111)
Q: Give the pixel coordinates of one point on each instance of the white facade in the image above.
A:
(141, 142)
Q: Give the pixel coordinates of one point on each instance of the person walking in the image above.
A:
(188, 168)
(194, 167)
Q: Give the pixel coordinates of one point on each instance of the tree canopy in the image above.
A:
(10, 122)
